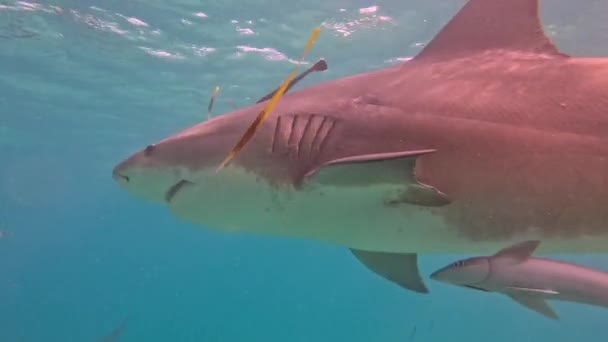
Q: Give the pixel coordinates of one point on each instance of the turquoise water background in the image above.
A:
(85, 83)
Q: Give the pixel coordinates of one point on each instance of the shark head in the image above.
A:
(465, 272)
(159, 171)
(181, 170)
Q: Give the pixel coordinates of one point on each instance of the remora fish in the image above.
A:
(528, 280)
(488, 128)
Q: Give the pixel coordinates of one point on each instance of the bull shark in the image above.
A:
(488, 136)
(527, 280)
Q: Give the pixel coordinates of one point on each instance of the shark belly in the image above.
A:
(349, 217)
(357, 218)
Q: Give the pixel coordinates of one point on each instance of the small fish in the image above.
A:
(232, 104)
(269, 107)
(116, 333)
(413, 333)
(212, 100)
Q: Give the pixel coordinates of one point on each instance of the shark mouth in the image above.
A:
(173, 190)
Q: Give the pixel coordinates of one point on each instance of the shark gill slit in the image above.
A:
(309, 119)
(292, 131)
(316, 136)
(277, 127)
(325, 134)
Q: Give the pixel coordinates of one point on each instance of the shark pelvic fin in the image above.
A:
(517, 253)
(536, 304)
(483, 25)
(399, 268)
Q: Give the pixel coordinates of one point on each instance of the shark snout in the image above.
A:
(440, 276)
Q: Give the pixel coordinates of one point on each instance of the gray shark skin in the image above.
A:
(488, 128)
(527, 280)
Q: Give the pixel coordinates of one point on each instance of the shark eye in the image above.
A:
(149, 150)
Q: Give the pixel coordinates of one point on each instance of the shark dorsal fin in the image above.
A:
(519, 252)
(483, 25)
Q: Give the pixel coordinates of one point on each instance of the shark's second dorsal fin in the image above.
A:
(491, 25)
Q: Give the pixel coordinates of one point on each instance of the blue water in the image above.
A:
(85, 83)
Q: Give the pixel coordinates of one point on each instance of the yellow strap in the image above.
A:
(269, 107)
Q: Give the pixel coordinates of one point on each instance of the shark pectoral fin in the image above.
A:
(381, 168)
(420, 194)
(399, 268)
(361, 170)
(517, 253)
(536, 304)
